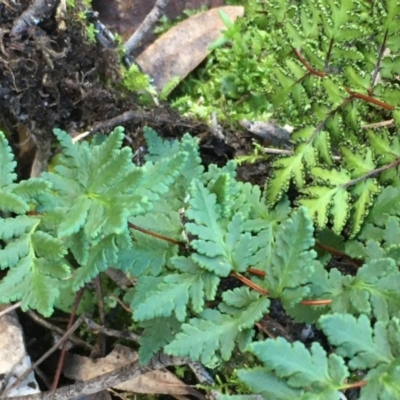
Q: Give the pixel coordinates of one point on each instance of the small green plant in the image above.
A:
(136, 81)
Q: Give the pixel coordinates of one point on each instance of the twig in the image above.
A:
(382, 124)
(64, 346)
(110, 379)
(111, 332)
(154, 15)
(66, 335)
(270, 150)
(75, 340)
(9, 309)
(38, 12)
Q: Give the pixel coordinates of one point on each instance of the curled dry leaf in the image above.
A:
(154, 382)
(185, 46)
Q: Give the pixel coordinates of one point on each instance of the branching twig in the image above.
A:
(154, 15)
(66, 335)
(73, 339)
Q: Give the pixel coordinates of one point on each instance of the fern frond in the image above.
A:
(292, 262)
(216, 250)
(298, 367)
(7, 165)
(202, 338)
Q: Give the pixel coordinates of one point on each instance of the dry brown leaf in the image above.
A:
(154, 382)
(185, 46)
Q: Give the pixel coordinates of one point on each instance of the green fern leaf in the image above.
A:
(292, 261)
(386, 150)
(385, 204)
(35, 281)
(102, 255)
(365, 192)
(10, 202)
(14, 251)
(261, 380)
(47, 246)
(201, 338)
(158, 148)
(146, 256)
(286, 168)
(358, 164)
(171, 293)
(75, 218)
(366, 347)
(14, 227)
(7, 163)
(301, 367)
(156, 334)
(217, 251)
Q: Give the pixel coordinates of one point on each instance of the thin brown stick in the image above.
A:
(111, 332)
(382, 124)
(155, 14)
(60, 363)
(9, 309)
(73, 339)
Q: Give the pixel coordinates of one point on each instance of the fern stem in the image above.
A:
(328, 54)
(378, 64)
(321, 125)
(307, 65)
(156, 235)
(316, 302)
(249, 283)
(256, 272)
(369, 99)
(354, 385)
(336, 252)
(370, 174)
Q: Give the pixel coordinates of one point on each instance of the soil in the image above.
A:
(51, 76)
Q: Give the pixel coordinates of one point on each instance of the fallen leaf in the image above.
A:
(179, 51)
(155, 382)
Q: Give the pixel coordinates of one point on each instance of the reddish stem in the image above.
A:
(307, 65)
(369, 99)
